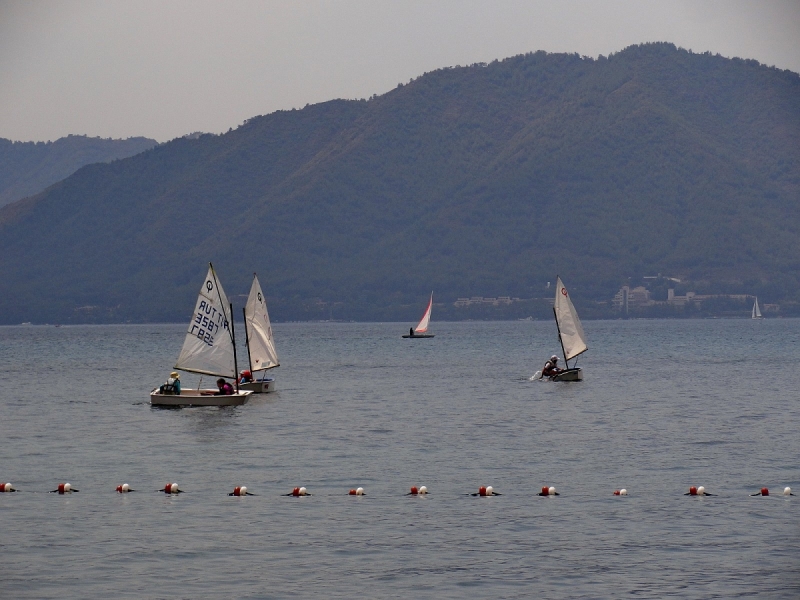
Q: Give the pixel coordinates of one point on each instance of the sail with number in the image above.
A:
(573, 340)
(756, 311)
(426, 318)
(208, 347)
(260, 343)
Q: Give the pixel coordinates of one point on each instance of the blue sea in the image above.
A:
(664, 405)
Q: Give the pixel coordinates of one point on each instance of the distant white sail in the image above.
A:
(260, 342)
(569, 325)
(756, 311)
(426, 318)
(208, 347)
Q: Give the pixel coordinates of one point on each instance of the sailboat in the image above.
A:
(421, 330)
(570, 333)
(209, 349)
(261, 352)
(756, 311)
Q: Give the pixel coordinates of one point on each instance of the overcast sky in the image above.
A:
(163, 68)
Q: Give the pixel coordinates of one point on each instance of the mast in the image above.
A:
(235, 364)
(247, 339)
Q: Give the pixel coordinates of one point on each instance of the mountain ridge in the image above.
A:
(480, 180)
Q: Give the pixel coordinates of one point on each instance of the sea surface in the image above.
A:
(665, 405)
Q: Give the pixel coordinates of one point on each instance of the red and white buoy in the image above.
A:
(6, 487)
(64, 488)
(299, 491)
(171, 488)
(622, 492)
(124, 488)
(240, 491)
(357, 492)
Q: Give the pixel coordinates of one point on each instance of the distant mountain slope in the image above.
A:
(483, 180)
(27, 168)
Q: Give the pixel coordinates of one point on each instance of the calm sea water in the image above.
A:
(664, 405)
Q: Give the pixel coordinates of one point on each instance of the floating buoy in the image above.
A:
(64, 488)
(124, 488)
(764, 491)
(787, 491)
(623, 492)
(617, 492)
(692, 491)
(352, 492)
(171, 488)
(7, 487)
(551, 491)
(545, 491)
(701, 491)
(239, 491)
(482, 491)
(302, 491)
(299, 491)
(360, 491)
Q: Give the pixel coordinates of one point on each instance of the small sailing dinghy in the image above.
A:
(756, 314)
(261, 352)
(209, 349)
(421, 330)
(570, 333)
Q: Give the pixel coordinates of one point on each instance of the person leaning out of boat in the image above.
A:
(550, 368)
(225, 388)
(245, 377)
(173, 385)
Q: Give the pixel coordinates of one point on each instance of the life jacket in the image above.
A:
(169, 387)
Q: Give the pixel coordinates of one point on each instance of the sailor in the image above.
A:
(173, 385)
(225, 388)
(245, 377)
(550, 368)
(411, 332)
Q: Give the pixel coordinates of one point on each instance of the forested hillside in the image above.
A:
(481, 180)
(27, 168)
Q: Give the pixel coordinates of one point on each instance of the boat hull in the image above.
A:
(198, 398)
(419, 335)
(575, 374)
(260, 386)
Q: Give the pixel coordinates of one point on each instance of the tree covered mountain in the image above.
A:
(481, 180)
(27, 168)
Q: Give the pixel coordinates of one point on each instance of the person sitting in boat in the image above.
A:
(411, 332)
(173, 385)
(245, 377)
(550, 368)
(225, 388)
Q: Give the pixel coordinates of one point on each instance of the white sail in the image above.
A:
(426, 318)
(756, 310)
(208, 347)
(569, 325)
(260, 343)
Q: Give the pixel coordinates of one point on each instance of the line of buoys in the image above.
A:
(172, 488)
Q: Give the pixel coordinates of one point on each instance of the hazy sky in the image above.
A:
(166, 68)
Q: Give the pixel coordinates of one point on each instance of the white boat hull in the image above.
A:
(260, 386)
(198, 398)
(575, 374)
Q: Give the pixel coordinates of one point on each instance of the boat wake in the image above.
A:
(536, 376)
